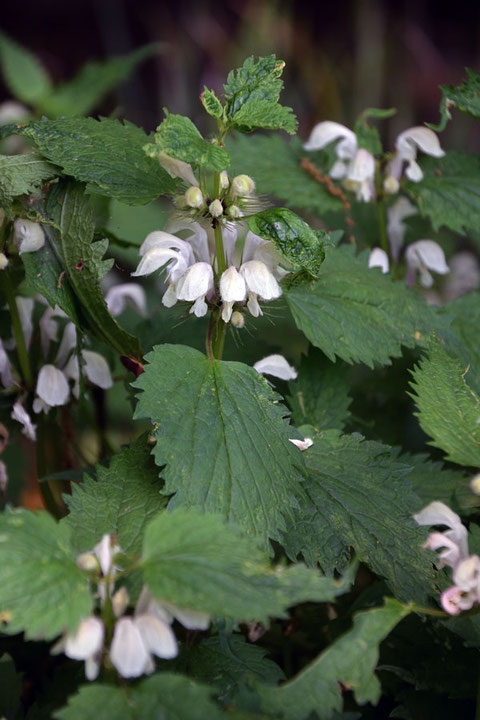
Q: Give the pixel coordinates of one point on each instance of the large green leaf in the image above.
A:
(462, 336)
(42, 591)
(319, 395)
(358, 497)
(223, 438)
(357, 313)
(178, 137)
(448, 409)
(465, 97)
(449, 194)
(23, 174)
(121, 500)
(350, 660)
(199, 562)
(107, 154)
(24, 75)
(85, 266)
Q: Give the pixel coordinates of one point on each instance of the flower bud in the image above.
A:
(391, 185)
(3, 261)
(242, 185)
(475, 484)
(194, 197)
(28, 235)
(120, 601)
(234, 211)
(224, 181)
(215, 208)
(237, 319)
(88, 562)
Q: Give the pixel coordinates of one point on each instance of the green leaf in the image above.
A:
(449, 193)
(11, 688)
(291, 235)
(448, 409)
(357, 313)
(164, 696)
(211, 103)
(81, 94)
(85, 267)
(358, 496)
(197, 561)
(178, 137)
(223, 437)
(22, 175)
(319, 396)
(251, 96)
(350, 660)
(461, 337)
(23, 73)
(465, 97)
(105, 153)
(42, 591)
(121, 500)
(275, 164)
(228, 662)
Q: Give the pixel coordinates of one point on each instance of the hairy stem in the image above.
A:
(221, 262)
(50, 490)
(22, 352)
(219, 339)
(382, 227)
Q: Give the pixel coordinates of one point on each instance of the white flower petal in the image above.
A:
(326, 132)
(25, 311)
(147, 605)
(277, 366)
(5, 368)
(48, 330)
(67, 344)
(379, 258)
(362, 167)
(414, 171)
(96, 369)
(28, 236)
(302, 444)
(92, 668)
(20, 415)
(418, 137)
(52, 386)
(437, 513)
(169, 298)
(177, 168)
(426, 255)
(396, 228)
(195, 282)
(157, 636)
(190, 619)
(338, 170)
(199, 308)
(251, 245)
(466, 573)
(157, 257)
(87, 641)
(232, 286)
(260, 280)
(104, 553)
(253, 306)
(128, 653)
(119, 296)
(197, 240)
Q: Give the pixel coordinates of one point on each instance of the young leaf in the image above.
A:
(85, 267)
(105, 153)
(350, 661)
(448, 409)
(449, 193)
(211, 103)
(22, 175)
(42, 591)
(358, 496)
(178, 137)
(291, 235)
(319, 396)
(251, 97)
(121, 500)
(197, 561)
(24, 75)
(465, 97)
(222, 437)
(357, 313)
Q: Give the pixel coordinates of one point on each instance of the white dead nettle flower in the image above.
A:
(260, 283)
(6, 377)
(177, 168)
(25, 311)
(396, 228)
(464, 276)
(465, 568)
(194, 198)
(3, 261)
(20, 415)
(277, 366)
(379, 258)
(302, 444)
(232, 289)
(407, 144)
(28, 236)
(85, 644)
(423, 256)
(194, 285)
(354, 164)
(119, 296)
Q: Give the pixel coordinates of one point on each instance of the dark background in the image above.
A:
(341, 56)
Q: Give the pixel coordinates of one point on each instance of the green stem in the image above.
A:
(17, 329)
(219, 339)
(381, 209)
(429, 611)
(221, 262)
(46, 489)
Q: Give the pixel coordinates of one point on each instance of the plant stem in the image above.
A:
(477, 707)
(219, 339)
(47, 490)
(381, 209)
(17, 329)
(221, 262)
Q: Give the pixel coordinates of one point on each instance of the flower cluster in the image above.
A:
(453, 543)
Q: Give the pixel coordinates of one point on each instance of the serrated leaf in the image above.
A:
(368, 137)
(164, 696)
(81, 94)
(448, 409)
(350, 660)
(24, 75)
(291, 235)
(42, 591)
(357, 313)
(178, 137)
(319, 395)
(121, 499)
(449, 193)
(197, 561)
(465, 97)
(211, 103)
(358, 496)
(22, 175)
(275, 164)
(84, 266)
(251, 96)
(462, 335)
(107, 154)
(222, 437)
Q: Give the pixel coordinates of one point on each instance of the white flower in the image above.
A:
(302, 444)
(163, 610)
(242, 185)
(25, 311)
(5, 368)
(379, 258)
(52, 386)
(232, 289)
(85, 644)
(20, 415)
(464, 275)
(422, 256)
(194, 197)
(119, 296)
(194, 285)
(260, 283)
(28, 236)
(177, 168)
(396, 228)
(407, 145)
(3, 261)
(277, 366)
(359, 173)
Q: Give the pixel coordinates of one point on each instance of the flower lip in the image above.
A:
(52, 386)
(418, 137)
(379, 258)
(277, 366)
(326, 132)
